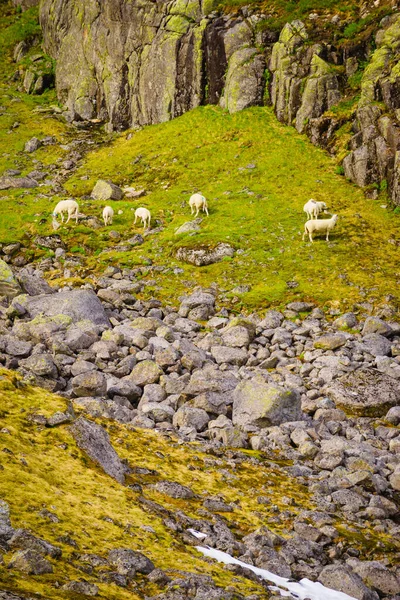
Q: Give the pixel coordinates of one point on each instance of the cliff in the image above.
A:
(141, 62)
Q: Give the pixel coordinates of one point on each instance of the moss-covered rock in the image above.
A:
(9, 286)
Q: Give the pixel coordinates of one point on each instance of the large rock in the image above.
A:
(128, 562)
(9, 286)
(203, 256)
(17, 182)
(259, 404)
(343, 579)
(105, 190)
(94, 440)
(145, 372)
(6, 530)
(30, 562)
(365, 392)
(91, 383)
(78, 304)
(244, 80)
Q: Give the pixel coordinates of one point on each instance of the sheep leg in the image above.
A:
(134, 222)
(310, 236)
(76, 216)
(191, 210)
(69, 216)
(327, 235)
(304, 234)
(206, 210)
(197, 210)
(62, 217)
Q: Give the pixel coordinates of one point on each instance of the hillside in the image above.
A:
(171, 401)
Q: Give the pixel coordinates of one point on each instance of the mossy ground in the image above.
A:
(42, 468)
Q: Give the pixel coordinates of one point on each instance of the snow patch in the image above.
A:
(302, 590)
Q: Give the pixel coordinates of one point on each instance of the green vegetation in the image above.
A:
(98, 514)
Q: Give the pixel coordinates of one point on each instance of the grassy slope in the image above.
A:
(257, 210)
(42, 468)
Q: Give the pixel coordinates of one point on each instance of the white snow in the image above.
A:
(197, 534)
(302, 590)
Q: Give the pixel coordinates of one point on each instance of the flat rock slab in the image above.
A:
(80, 305)
(204, 256)
(365, 393)
(17, 182)
(95, 441)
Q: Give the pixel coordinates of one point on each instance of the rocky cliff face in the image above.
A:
(141, 62)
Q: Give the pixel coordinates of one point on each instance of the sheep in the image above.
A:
(319, 225)
(108, 214)
(197, 202)
(144, 214)
(313, 208)
(66, 206)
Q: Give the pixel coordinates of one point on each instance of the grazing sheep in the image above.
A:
(313, 208)
(197, 202)
(319, 225)
(144, 214)
(108, 214)
(66, 206)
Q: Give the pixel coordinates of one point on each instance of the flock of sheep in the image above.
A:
(197, 202)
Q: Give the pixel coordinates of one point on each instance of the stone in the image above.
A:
(210, 380)
(233, 356)
(376, 344)
(145, 372)
(94, 440)
(34, 285)
(9, 286)
(128, 562)
(105, 190)
(375, 575)
(79, 304)
(330, 341)
(41, 365)
(343, 579)
(90, 383)
(158, 412)
(17, 182)
(244, 86)
(259, 404)
(346, 321)
(174, 490)
(376, 325)
(124, 387)
(187, 416)
(365, 392)
(204, 255)
(81, 587)
(189, 227)
(30, 562)
(32, 145)
(6, 530)
(24, 540)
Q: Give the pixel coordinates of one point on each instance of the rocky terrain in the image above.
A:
(322, 394)
(151, 423)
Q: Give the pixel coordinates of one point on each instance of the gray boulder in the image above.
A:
(245, 81)
(33, 285)
(174, 490)
(6, 530)
(32, 145)
(128, 562)
(24, 540)
(377, 576)
(376, 325)
(210, 380)
(187, 416)
(204, 255)
(95, 441)
(78, 304)
(82, 587)
(91, 384)
(30, 562)
(9, 286)
(330, 341)
(17, 182)
(41, 365)
(145, 372)
(343, 579)
(105, 190)
(376, 344)
(259, 404)
(365, 392)
(233, 356)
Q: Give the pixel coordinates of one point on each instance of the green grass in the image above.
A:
(258, 211)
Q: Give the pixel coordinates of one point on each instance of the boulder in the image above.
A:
(232, 356)
(365, 393)
(34, 285)
(376, 325)
(259, 404)
(91, 384)
(330, 341)
(343, 579)
(32, 145)
(9, 286)
(376, 344)
(30, 562)
(204, 255)
(174, 490)
(95, 441)
(105, 190)
(81, 587)
(78, 304)
(128, 562)
(187, 416)
(145, 372)
(6, 530)
(17, 182)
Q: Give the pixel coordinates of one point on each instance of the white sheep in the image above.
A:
(319, 226)
(108, 214)
(144, 214)
(313, 208)
(197, 202)
(66, 206)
